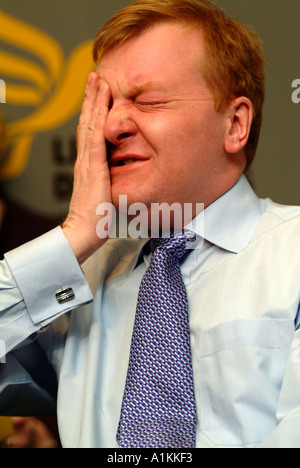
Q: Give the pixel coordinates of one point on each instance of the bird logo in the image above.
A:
(40, 78)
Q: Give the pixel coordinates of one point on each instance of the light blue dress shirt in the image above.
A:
(243, 287)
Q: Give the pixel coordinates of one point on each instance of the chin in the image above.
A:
(123, 199)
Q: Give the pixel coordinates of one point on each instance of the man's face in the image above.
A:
(165, 137)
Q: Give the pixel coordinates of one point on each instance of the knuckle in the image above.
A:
(90, 131)
(82, 122)
(101, 116)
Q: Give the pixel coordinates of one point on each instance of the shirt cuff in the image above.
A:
(43, 269)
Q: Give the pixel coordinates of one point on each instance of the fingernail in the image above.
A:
(90, 79)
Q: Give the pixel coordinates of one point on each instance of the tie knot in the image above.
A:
(175, 245)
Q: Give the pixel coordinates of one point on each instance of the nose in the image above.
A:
(119, 125)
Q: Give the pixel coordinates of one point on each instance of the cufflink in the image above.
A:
(65, 295)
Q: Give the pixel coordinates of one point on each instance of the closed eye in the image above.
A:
(150, 104)
(145, 103)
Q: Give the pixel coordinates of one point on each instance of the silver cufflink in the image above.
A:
(65, 295)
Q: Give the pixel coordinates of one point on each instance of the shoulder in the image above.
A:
(275, 217)
(278, 230)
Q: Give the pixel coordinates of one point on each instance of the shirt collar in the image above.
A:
(231, 220)
(228, 223)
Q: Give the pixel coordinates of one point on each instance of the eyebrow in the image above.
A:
(148, 86)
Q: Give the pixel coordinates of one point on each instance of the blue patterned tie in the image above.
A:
(159, 407)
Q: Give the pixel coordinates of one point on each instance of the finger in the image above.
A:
(96, 144)
(88, 107)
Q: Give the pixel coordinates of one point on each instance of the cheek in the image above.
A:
(184, 141)
(168, 135)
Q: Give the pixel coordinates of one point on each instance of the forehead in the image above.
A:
(165, 54)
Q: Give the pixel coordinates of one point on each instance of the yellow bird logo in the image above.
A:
(50, 85)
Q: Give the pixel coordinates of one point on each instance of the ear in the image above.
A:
(240, 117)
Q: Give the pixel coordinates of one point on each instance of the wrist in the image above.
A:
(83, 244)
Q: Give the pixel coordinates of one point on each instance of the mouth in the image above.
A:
(123, 162)
(126, 160)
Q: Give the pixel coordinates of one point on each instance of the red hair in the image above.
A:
(235, 65)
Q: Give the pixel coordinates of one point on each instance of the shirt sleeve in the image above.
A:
(30, 278)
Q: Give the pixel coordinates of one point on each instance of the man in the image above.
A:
(171, 115)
